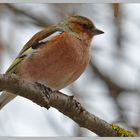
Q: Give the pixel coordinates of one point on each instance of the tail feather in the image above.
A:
(5, 98)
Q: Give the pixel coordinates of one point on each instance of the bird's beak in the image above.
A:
(97, 32)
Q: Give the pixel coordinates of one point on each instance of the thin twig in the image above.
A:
(38, 21)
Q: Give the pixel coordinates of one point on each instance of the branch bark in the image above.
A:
(44, 97)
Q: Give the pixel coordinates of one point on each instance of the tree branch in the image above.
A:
(37, 20)
(44, 97)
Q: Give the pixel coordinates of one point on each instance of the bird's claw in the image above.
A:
(46, 91)
(77, 104)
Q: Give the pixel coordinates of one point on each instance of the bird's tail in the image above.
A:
(5, 98)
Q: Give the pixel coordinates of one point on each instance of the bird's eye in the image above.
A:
(88, 26)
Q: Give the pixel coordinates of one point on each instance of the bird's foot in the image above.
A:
(78, 106)
(46, 91)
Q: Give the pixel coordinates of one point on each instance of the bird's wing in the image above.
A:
(33, 44)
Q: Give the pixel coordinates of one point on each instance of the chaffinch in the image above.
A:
(55, 56)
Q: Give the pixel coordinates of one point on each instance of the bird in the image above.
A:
(56, 56)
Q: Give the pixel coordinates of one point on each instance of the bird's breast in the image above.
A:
(57, 63)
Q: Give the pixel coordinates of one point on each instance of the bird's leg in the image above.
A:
(46, 91)
(78, 106)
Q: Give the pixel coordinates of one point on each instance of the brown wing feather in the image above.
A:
(28, 46)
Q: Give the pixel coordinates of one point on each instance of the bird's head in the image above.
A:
(83, 26)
